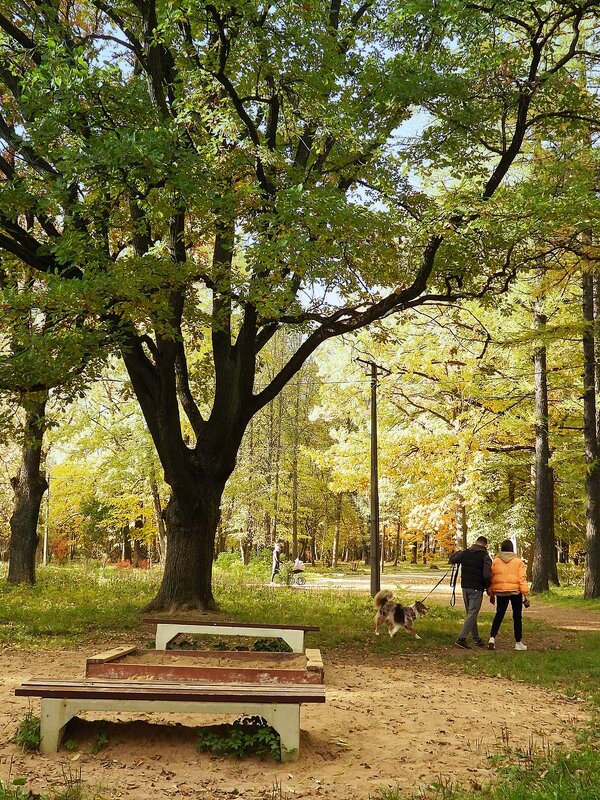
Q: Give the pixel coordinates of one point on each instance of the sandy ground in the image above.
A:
(395, 721)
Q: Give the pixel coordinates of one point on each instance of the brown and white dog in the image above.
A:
(395, 615)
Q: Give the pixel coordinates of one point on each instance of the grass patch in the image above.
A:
(525, 775)
(567, 597)
(71, 605)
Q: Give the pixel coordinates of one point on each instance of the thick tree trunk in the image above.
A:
(29, 487)
(543, 553)
(592, 478)
(191, 524)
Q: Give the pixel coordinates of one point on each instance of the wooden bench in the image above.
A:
(167, 628)
(279, 705)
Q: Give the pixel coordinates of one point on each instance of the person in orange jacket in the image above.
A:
(508, 585)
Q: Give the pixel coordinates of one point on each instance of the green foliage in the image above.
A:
(247, 735)
(27, 734)
(230, 565)
(76, 791)
(100, 740)
(271, 646)
(13, 792)
(286, 573)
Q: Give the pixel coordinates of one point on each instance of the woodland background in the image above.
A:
(211, 217)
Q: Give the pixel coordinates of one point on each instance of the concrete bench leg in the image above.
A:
(285, 719)
(56, 713)
(164, 634)
(55, 716)
(295, 639)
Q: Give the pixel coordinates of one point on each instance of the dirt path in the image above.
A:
(566, 619)
(386, 722)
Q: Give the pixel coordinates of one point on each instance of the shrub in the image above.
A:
(245, 735)
(27, 735)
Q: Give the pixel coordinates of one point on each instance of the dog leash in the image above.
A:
(435, 587)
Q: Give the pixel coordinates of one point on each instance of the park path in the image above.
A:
(572, 619)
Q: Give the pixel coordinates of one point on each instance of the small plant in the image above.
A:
(100, 741)
(271, 646)
(286, 573)
(13, 792)
(27, 735)
(70, 745)
(246, 735)
(74, 789)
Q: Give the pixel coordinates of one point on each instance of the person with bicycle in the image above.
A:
(276, 561)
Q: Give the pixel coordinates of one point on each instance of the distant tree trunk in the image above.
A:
(336, 533)
(220, 539)
(543, 554)
(312, 542)
(270, 452)
(247, 541)
(29, 487)
(278, 470)
(397, 553)
(553, 565)
(136, 553)
(158, 518)
(511, 489)
(596, 291)
(592, 478)
(461, 519)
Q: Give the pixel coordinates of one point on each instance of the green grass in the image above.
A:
(69, 606)
(567, 597)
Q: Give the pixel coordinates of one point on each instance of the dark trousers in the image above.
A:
(502, 601)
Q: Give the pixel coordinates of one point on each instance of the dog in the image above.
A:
(395, 615)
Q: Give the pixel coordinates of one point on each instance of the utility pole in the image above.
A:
(46, 521)
(375, 370)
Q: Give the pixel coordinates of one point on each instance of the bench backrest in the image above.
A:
(225, 623)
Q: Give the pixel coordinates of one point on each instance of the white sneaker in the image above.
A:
(520, 646)
(492, 643)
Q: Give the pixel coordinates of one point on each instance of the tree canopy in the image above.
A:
(181, 180)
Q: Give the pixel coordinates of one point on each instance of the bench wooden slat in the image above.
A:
(153, 690)
(111, 655)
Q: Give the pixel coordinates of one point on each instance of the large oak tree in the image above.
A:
(196, 176)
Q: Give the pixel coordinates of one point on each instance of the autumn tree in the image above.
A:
(192, 174)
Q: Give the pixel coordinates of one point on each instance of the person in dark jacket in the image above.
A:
(475, 578)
